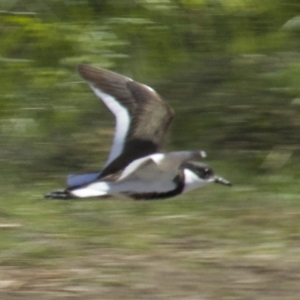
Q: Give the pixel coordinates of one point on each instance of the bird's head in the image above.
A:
(198, 174)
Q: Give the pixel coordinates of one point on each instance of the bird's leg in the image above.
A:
(60, 194)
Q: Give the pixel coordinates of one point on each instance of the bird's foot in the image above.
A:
(62, 195)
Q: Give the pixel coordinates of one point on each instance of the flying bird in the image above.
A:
(136, 168)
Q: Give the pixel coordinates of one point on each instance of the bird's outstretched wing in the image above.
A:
(142, 117)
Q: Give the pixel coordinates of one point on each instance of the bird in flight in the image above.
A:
(136, 168)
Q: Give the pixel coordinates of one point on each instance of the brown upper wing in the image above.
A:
(149, 116)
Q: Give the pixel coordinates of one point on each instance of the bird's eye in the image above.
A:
(207, 172)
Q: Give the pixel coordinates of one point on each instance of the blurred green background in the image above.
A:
(231, 71)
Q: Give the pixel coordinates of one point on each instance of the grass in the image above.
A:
(214, 243)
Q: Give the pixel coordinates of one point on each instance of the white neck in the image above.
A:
(192, 181)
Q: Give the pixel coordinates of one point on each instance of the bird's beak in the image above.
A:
(222, 181)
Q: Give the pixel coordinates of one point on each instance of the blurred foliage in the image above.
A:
(231, 69)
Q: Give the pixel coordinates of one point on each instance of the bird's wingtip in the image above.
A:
(203, 154)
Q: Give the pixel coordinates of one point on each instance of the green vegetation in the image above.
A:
(241, 242)
(231, 70)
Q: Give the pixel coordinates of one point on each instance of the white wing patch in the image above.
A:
(122, 122)
(138, 164)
